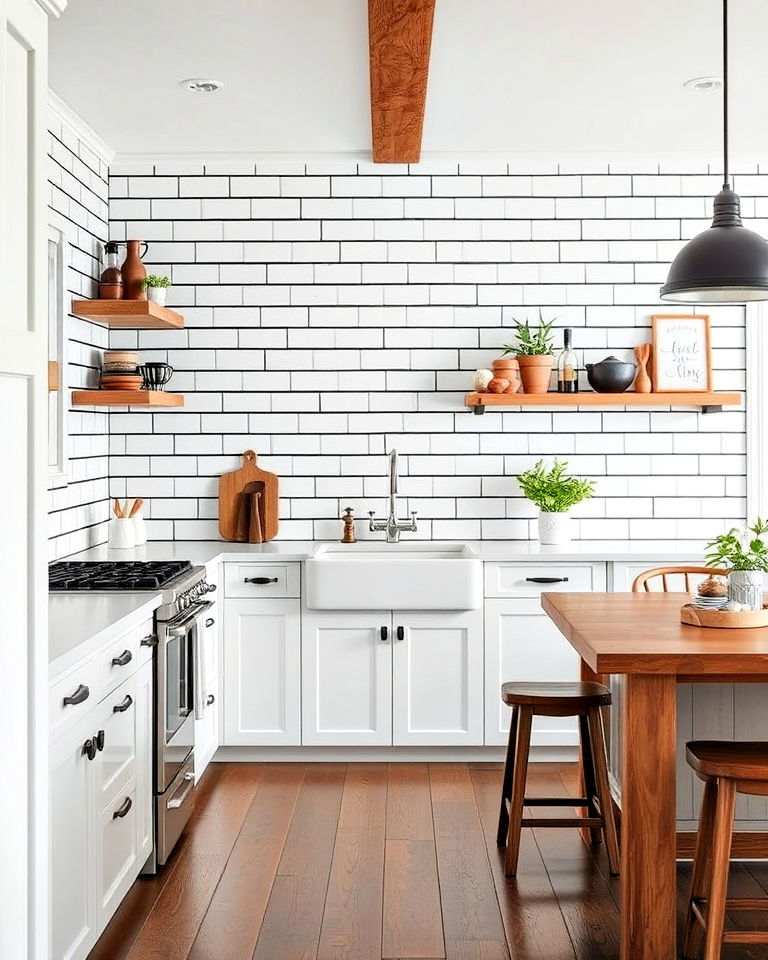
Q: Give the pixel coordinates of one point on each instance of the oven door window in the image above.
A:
(179, 702)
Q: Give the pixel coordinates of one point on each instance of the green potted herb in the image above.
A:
(156, 287)
(533, 351)
(745, 554)
(554, 493)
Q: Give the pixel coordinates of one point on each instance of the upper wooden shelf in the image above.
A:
(128, 314)
(711, 401)
(126, 398)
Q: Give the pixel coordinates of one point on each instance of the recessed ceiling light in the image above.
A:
(704, 83)
(201, 85)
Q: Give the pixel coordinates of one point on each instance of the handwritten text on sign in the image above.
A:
(682, 354)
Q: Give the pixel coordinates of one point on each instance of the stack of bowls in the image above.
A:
(119, 371)
(710, 603)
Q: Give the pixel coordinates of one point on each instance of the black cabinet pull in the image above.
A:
(400, 634)
(123, 809)
(211, 699)
(89, 748)
(547, 579)
(122, 707)
(99, 740)
(210, 622)
(384, 634)
(150, 641)
(125, 657)
(260, 580)
(79, 696)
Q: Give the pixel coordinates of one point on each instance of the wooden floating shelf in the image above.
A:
(710, 400)
(128, 314)
(126, 398)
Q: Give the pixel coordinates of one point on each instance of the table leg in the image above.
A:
(648, 888)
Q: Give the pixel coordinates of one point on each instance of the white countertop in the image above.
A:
(78, 619)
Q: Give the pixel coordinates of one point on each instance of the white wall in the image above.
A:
(336, 309)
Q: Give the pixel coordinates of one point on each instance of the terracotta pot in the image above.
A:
(133, 271)
(507, 368)
(535, 372)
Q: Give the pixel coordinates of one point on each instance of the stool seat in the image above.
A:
(741, 760)
(556, 699)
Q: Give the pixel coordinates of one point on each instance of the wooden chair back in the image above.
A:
(642, 580)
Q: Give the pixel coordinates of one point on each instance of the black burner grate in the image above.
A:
(115, 574)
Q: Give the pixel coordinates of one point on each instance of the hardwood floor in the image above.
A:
(378, 862)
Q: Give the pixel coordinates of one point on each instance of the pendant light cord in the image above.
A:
(726, 174)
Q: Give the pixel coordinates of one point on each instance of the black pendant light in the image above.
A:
(726, 263)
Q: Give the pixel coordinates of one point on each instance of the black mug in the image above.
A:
(155, 374)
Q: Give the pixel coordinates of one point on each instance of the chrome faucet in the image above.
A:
(392, 526)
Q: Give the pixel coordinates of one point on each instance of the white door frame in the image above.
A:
(757, 409)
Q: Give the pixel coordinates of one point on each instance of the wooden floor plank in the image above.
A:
(413, 925)
(172, 926)
(236, 911)
(534, 925)
(471, 920)
(291, 927)
(352, 919)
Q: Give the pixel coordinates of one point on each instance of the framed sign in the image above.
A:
(682, 356)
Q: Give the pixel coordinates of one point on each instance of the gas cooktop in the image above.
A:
(115, 574)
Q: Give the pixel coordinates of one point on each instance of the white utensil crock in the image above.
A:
(554, 527)
(122, 533)
(746, 587)
(140, 531)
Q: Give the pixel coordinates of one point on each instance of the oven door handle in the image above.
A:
(175, 802)
(180, 628)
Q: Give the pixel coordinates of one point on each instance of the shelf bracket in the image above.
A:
(479, 409)
(712, 408)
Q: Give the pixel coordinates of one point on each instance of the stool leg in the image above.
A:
(588, 774)
(721, 855)
(597, 740)
(700, 878)
(518, 790)
(506, 787)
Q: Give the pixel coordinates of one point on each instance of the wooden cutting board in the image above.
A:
(235, 501)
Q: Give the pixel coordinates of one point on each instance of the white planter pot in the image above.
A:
(554, 527)
(746, 586)
(157, 295)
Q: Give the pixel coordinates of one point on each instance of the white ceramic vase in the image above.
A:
(157, 295)
(554, 527)
(746, 587)
(122, 533)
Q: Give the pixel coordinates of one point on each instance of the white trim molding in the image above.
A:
(757, 409)
(62, 111)
(54, 8)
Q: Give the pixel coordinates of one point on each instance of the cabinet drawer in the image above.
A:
(531, 579)
(117, 660)
(272, 579)
(81, 687)
(117, 760)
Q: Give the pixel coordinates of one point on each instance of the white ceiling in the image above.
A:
(505, 75)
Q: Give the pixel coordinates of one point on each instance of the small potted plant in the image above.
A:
(533, 352)
(554, 493)
(745, 554)
(156, 287)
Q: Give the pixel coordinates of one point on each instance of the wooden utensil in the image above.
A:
(642, 382)
(137, 505)
(233, 511)
(118, 509)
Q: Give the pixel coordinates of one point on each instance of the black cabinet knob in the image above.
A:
(125, 657)
(211, 699)
(150, 641)
(99, 740)
(210, 622)
(79, 696)
(547, 579)
(123, 809)
(89, 748)
(260, 580)
(122, 707)
(384, 634)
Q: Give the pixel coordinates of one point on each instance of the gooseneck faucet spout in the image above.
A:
(392, 526)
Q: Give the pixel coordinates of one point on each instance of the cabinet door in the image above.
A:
(72, 819)
(523, 644)
(144, 743)
(116, 763)
(262, 673)
(207, 730)
(116, 860)
(347, 678)
(438, 678)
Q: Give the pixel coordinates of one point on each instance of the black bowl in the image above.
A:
(610, 375)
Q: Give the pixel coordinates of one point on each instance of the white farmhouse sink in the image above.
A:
(394, 576)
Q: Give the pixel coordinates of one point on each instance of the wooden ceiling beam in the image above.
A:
(399, 39)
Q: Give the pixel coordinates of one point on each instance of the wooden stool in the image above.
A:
(726, 768)
(582, 700)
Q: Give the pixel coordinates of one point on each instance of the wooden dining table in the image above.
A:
(640, 636)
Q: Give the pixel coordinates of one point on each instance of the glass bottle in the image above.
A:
(111, 279)
(567, 366)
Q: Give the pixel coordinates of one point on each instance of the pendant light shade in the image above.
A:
(726, 263)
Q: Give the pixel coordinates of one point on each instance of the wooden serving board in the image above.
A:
(248, 503)
(725, 619)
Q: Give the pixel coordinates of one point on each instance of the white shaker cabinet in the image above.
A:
(207, 726)
(346, 668)
(262, 673)
(437, 678)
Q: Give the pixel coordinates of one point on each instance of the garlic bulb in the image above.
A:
(481, 380)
